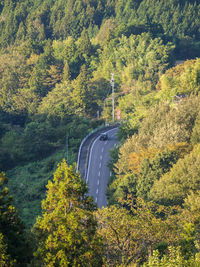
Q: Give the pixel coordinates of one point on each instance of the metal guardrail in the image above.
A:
(83, 141)
(90, 151)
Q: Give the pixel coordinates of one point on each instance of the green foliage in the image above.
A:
(180, 81)
(117, 229)
(152, 170)
(189, 225)
(36, 139)
(173, 187)
(28, 185)
(12, 228)
(174, 258)
(130, 236)
(66, 232)
(128, 128)
(195, 137)
(84, 45)
(122, 188)
(28, 182)
(12, 71)
(67, 51)
(163, 125)
(147, 58)
(32, 143)
(55, 63)
(170, 124)
(79, 94)
(36, 21)
(58, 102)
(4, 257)
(40, 138)
(97, 93)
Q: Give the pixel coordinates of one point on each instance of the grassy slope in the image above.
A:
(33, 178)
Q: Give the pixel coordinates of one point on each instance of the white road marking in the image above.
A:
(101, 157)
(90, 158)
(98, 182)
(106, 142)
(88, 169)
(99, 173)
(110, 173)
(97, 191)
(100, 165)
(102, 149)
(96, 199)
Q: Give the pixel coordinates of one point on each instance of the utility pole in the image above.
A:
(113, 100)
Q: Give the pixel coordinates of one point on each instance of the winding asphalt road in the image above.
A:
(98, 173)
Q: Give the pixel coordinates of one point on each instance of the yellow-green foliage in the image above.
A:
(147, 58)
(4, 258)
(164, 126)
(128, 236)
(174, 258)
(66, 231)
(57, 102)
(183, 79)
(174, 186)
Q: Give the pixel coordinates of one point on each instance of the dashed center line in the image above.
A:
(102, 149)
(99, 173)
(96, 199)
(97, 191)
(100, 165)
(101, 157)
(98, 182)
(106, 142)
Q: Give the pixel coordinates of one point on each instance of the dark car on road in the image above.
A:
(103, 137)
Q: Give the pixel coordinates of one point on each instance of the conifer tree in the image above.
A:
(80, 91)
(84, 44)
(66, 232)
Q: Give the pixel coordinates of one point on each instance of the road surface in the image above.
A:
(98, 173)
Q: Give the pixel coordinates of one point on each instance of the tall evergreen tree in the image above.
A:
(66, 232)
(80, 91)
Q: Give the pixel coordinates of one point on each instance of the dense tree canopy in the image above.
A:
(56, 60)
(30, 20)
(174, 186)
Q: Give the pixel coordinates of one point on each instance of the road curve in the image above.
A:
(98, 173)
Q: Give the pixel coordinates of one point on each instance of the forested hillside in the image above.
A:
(33, 22)
(56, 60)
